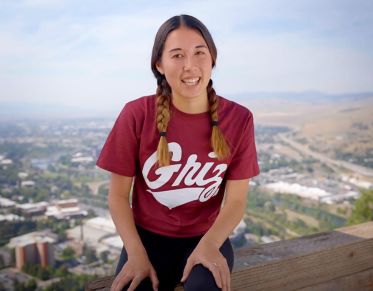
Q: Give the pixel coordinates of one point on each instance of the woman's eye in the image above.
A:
(177, 56)
(200, 53)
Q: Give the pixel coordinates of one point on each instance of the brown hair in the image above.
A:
(163, 93)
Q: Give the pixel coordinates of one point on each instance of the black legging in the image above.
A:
(168, 256)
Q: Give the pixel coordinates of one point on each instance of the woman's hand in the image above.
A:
(210, 256)
(135, 270)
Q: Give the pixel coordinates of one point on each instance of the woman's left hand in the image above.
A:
(210, 256)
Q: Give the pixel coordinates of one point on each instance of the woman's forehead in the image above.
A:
(184, 38)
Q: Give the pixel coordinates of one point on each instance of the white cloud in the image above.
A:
(96, 58)
(43, 3)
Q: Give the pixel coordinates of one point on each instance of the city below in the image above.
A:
(56, 228)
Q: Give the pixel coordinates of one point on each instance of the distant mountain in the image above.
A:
(26, 110)
(31, 110)
(311, 96)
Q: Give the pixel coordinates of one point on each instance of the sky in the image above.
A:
(95, 55)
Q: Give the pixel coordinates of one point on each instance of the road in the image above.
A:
(349, 166)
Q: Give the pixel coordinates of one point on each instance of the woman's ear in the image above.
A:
(159, 67)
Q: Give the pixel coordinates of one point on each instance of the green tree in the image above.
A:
(90, 254)
(363, 210)
(62, 271)
(29, 286)
(2, 262)
(104, 256)
(68, 253)
(70, 283)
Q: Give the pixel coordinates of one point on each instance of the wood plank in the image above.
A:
(343, 257)
(102, 284)
(362, 281)
(307, 270)
(301, 246)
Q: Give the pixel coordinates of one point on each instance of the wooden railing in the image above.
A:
(337, 260)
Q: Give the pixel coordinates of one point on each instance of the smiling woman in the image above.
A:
(175, 145)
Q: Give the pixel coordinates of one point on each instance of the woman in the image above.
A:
(182, 149)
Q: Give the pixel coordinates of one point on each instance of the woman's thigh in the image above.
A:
(162, 253)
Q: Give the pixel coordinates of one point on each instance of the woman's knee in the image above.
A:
(200, 278)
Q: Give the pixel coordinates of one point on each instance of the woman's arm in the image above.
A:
(231, 213)
(138, 265)
(207, 251)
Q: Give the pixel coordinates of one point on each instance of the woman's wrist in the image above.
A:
(209, 242)
(136, 251)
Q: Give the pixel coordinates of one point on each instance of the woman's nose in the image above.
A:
(188, 63)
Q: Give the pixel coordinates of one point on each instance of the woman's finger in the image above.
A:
(135, 282)
(213, 267)
(229, 280)
(223, 277)
(226, 277)
(154, 279)
(114, 285)
(188, 267)
(121, 281)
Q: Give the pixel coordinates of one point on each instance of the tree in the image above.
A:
(68, 253)
(2, 262)
(62, 271)
(104, 256)
(31, 285)
(363, 210)
(90, 255)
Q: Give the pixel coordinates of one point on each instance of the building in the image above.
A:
(11, 217)
(65, 209)
(67, 203)
(5, 202)
(33, 208)
(98, 233)
(27, 184)
(34, 248)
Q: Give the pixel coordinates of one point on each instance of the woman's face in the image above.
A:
(186, 63)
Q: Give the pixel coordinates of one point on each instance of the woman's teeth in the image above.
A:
(191, 82)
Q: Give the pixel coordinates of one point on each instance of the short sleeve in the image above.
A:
(120, 151)
(244, 163)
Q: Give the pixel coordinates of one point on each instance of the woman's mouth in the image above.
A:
(191, 81)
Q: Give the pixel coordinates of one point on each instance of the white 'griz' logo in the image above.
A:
(194, 191)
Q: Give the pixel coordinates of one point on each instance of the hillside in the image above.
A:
(341, 128)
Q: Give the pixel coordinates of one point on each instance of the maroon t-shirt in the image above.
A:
(184, 198)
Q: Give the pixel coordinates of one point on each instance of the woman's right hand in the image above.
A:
(135, 270)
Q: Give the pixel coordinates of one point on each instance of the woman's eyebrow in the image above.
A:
(179, 49)
(175, 49)
(201, 46)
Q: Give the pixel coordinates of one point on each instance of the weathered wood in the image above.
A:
(102, 284)
(307, 270)
(338, 260)
(362, 281)
(301, 246)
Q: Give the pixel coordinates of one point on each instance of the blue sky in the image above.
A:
(96, 54)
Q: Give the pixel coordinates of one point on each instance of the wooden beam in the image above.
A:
(338, 260)
(306, 261)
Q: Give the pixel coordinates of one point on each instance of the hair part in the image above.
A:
(164, 94)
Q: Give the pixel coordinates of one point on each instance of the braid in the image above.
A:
(163, 96)
(218, 141)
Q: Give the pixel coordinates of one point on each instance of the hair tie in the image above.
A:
(162, 133)
(215, 122)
